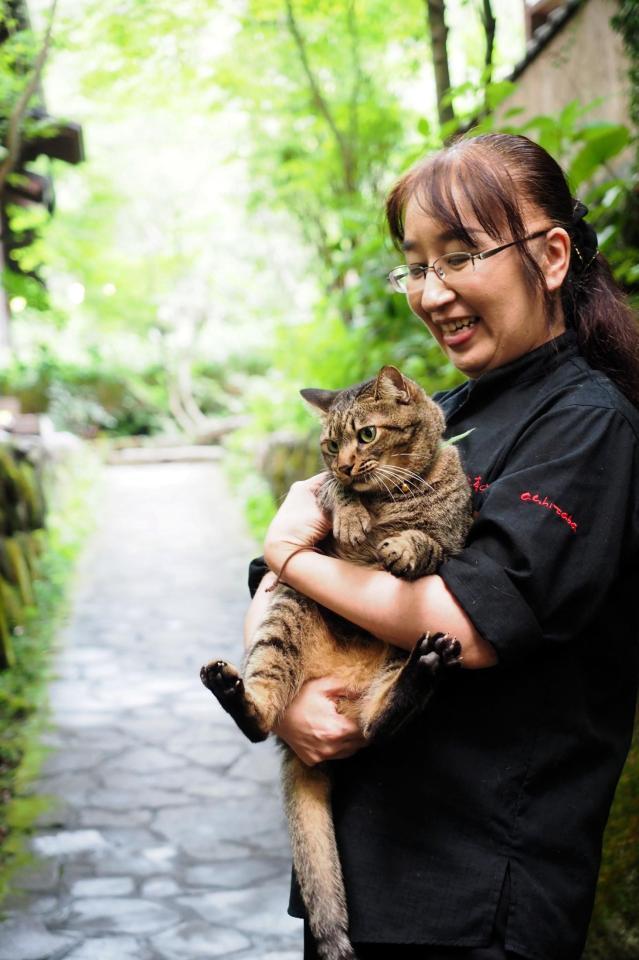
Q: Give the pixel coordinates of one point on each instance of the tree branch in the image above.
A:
(357, 82)
(318, 98)
(14, 131)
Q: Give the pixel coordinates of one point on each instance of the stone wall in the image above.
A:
(22, 512)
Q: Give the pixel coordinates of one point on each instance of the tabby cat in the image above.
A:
(399, 500)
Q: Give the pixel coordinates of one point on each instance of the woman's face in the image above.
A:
(484, 316)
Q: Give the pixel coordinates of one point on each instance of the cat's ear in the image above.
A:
(320, 399)
(391, 385)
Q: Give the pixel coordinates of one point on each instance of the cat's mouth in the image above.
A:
(364, 480)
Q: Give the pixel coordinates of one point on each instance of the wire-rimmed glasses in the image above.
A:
(411, 276)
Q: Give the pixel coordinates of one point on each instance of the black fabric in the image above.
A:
(495, 950)
(514, 766)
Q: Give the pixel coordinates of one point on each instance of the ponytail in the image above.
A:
(606, 329)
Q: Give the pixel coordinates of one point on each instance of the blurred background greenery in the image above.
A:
(209, 237)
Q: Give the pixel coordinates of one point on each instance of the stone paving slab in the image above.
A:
(167, 840)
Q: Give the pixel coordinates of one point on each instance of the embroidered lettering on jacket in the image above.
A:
(529, 497)
(477, 484)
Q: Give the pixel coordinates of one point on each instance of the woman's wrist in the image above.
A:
(299, 522)
(278, 552)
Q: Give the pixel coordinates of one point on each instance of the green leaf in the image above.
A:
(460, 436)
(448, 129)
(496, 93)
(601, 145)
(571, 113)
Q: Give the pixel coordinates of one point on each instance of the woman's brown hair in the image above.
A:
(495, 175)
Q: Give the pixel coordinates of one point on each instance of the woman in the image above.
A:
(476, 834)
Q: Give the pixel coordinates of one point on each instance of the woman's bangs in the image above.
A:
(462, 185)
(455, 185)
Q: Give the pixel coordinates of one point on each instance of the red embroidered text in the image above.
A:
(477, 484)
(529, 497)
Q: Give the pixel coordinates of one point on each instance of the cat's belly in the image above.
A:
(354, 657)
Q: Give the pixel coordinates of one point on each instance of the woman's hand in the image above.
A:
(299, 522)
(313, 728)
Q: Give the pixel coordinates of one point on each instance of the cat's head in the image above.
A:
(380, 435)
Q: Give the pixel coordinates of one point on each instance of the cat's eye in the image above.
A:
(366, 434)
(332, 446)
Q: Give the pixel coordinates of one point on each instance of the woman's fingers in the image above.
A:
(314, 728)
(299, 522)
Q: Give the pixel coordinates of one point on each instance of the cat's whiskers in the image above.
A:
(331, 484)
(380, 481)
(402, 483)
(400, 475)
(410, 473)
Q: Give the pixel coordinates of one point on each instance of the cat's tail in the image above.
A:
(307, 792)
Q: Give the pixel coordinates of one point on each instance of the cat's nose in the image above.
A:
(346, 468)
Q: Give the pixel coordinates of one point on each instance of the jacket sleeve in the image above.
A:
(552, 532)
(257, 569)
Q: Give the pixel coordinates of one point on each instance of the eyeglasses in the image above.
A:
(412, 276)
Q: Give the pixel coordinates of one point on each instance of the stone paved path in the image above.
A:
(168, 842)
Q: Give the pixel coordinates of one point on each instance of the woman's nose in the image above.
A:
(434, 293)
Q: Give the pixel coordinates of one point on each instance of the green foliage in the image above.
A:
(326, 122)
(626, 21)
(136, 44)
(17, 54)
(614, 931)
(86, 398)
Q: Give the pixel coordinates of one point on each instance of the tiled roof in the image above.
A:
(544, 34)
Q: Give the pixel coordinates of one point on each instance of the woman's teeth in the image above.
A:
(456, 325)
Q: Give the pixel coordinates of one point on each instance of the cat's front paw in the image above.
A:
(398, 555)
(351, 524)
(435, 651)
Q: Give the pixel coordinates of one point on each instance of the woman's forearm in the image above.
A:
(257, 609)
(397, 611)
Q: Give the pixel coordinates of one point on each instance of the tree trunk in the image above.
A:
(490, 26)
(5, 314)
(435, 11)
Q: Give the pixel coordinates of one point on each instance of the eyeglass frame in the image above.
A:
(482, 255)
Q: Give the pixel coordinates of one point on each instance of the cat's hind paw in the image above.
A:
(226, 684)
(222, 679)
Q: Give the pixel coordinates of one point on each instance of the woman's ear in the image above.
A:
(556, 259)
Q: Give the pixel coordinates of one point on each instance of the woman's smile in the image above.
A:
(458, 331)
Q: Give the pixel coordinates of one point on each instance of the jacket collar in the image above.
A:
(531, 366)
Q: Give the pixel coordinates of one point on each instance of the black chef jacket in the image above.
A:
(513, 767)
